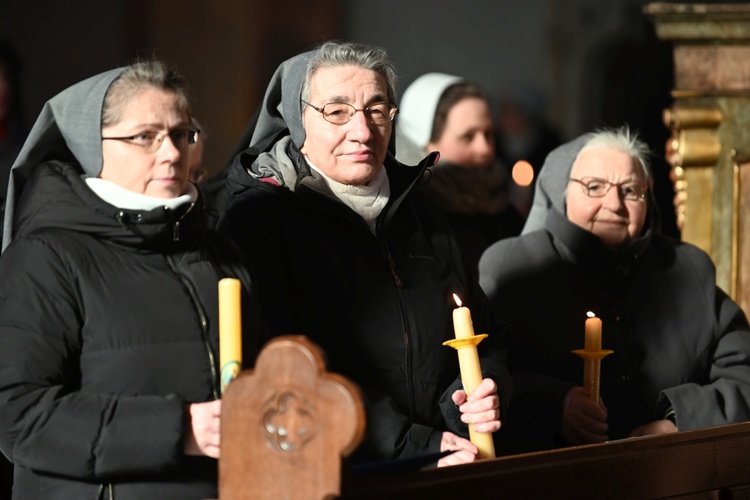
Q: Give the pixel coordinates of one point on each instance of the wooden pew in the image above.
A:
(710, 463)
(288, 424)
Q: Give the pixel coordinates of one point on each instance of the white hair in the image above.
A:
(622, 139)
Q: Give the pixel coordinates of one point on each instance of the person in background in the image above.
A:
(346, 254)
(197, 172)
(109, 377)
(681, 357)
(445, 113)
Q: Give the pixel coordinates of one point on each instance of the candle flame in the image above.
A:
(590, 314)
(458, 301)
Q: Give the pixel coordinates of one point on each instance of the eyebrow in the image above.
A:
(344, 99)
(157, 125)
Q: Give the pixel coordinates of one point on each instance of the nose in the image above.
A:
(613, 200)
(169, 149)
(359, 128)
(485, 146)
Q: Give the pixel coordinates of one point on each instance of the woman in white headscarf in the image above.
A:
(109, 383)
(445, 113)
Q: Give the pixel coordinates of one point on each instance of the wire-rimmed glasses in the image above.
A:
(151, 141)
(339, 113)
(598, 188)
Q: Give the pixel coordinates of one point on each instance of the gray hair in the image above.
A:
(138, 76)
(622, 139)
(333, 54)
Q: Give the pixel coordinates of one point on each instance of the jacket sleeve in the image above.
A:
(723, 397)
(47, 422)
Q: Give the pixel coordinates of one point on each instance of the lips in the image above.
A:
(363, 154)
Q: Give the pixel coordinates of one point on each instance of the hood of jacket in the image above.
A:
(68, 129)
(62, 200)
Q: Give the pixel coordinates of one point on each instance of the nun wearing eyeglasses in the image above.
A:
(681, 357)
(109, 382)
(346, 254)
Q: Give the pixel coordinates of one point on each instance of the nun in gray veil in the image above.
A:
(108, 307)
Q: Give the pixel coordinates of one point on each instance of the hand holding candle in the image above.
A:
(592, 355)
(471, 373)
(230, 331)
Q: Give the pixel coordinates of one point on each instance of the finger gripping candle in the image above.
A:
(230, 331)
(471, 372)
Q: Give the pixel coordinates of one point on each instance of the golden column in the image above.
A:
(709, 147)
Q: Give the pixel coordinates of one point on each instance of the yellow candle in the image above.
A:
(462, 323)
(230, 330)
(471, 372)
(593, 341)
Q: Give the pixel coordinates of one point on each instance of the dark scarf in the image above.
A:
(466, 190)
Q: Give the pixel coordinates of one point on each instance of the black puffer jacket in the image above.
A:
(108, 328)
(379, 306)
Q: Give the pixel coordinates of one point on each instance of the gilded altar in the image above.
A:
(709, 147)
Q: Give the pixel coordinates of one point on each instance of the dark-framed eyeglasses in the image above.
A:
(598, 188)
(150, 142)
(339, 113)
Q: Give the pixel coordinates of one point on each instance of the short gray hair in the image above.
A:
(622, 139)
(334, 53)
(138, 76)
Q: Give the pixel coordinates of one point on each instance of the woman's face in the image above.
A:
(162, 173)
(468, 139)
(351, 153)
(612, 217)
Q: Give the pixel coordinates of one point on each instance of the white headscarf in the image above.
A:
(416, 114)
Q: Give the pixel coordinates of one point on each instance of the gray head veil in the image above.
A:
(68, 129)
(552, 182)
(281, 111)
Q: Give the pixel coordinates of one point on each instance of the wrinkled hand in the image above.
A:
(583, 421)
(202, 429)
(466, 453)
(481, 408)
(655, 427)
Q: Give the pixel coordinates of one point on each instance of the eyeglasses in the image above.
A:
(151, 141)
(340, 113)
(598, 188)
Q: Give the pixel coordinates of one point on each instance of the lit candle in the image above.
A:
(592, 354)
(462, 323)
(471, 373)
(230, 330)
(593, 341)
